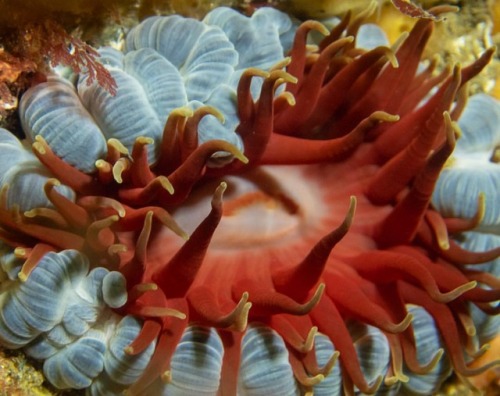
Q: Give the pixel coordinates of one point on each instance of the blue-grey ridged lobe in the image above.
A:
(160, 80)
(256, 39)
(265, 369)
(53, 111)
(114, 289)
(471, 171)
(76, 366)
(203, 54)
(210, 127)
(24, 175)
(26, 186)
(196, 364)
(10, 265)
(332, 384)
(85, 307)
(120, 369)
(457, 190)
(12, 153)
(125, 116)
(37, 305)
(480, 124)
(372, 349)
(427, 341)
(481, 242)
(370, 36)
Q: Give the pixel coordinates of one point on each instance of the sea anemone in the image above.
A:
(235, 220)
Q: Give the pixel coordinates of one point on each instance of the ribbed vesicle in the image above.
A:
(332, 384)
(256, 39)
(480, 124)
(24, 175)
(428, 342)
(12, 153)
(265, 369)
(75, 366)
(120, 369)
(37, 305)
(472, 170)
(125, 116)
(372, 349)
(204, 56)
(160, 79)
(196, 364)
(54, 111)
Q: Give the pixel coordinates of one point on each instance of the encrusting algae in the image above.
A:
(18, 377)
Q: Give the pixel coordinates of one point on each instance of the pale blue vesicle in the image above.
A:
(256, 39)
(24, 175)
(54, 111)
(372, 349)
(203, 54)
(481, 242)
(26, 187)
(332, 384)
(428, 342)
(370, 36)
(37, 305)
(61, 315)
(265, 369)
(211, 128)
(190, 63)
(480, 124)
(471, 170)
(120, 369)
(76, 365)
(195, 366)
(10, 265)
(160, 79)
(114, 289)
(12, 153)
(78, 337)
(84, 307)
(125, 116)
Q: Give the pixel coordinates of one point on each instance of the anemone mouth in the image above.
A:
(282, 208)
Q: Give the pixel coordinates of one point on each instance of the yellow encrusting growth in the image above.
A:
(19, 378)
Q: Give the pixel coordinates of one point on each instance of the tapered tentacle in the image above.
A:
(402, 224)
(307, 273)
(176, 277)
